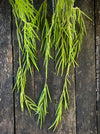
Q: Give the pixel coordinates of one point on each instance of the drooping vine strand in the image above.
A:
(46, 50)
(25, 18)
(64, 100)
(69, 29)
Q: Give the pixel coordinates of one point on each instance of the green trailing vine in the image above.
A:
(65, 33)
(25, 18)
(67, 39)
(45, 48)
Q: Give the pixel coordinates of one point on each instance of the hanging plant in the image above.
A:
(64, 33)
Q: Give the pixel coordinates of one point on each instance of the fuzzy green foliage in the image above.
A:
(46, 50)
(43, 104)
(64, 99)
(65, 33)
(30, 104)
(68, 29)
(25, 18)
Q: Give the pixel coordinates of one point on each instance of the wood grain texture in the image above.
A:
(69, 118)
(85, 76)
(97, 32)
(39, 76)
(6, 96)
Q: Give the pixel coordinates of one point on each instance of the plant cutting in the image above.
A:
(64, 33)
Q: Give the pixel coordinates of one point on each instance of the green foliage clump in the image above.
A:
(64, 33)
(25, 18)
(68, 29)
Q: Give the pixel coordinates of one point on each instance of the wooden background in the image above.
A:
(84, 110)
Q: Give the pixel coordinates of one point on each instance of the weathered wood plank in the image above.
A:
(97, 32)
(85, 76)
(39, 79)
(38, 75)
(6, 96)
(70, 117)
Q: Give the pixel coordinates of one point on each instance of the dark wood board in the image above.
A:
(85, 76)
(6, 96)
(97, 36)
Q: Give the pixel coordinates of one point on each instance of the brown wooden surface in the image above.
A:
(6, 96)
(85, 76)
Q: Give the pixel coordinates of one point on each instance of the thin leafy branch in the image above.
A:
(46, 50)
(43, 104)
(64, 100)
(25, 18)
(69, 29)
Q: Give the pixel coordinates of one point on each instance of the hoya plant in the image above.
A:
(64, 33)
